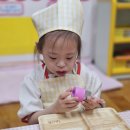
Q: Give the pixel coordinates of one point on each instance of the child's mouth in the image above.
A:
(61, 73)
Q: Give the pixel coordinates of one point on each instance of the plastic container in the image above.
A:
(81, 93)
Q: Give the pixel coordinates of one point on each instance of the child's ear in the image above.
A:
(77, 59)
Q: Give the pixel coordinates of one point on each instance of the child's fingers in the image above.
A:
(64, 95)
(90, 103)
(70, 89)
(71, 100)
(101, 103)
(71, 108)
(93, 102)
(71, 105)
(87, 105)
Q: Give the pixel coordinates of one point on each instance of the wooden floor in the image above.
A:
(118, 99)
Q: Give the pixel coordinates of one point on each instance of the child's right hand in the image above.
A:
(65, 104)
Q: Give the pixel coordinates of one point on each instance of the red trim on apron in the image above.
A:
(78, 69)
(46, 73)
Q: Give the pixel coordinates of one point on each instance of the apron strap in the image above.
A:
(46, 73)
(78, 68)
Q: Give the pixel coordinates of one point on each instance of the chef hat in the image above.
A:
(63, 15)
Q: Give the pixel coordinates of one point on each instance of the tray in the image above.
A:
(97, 119)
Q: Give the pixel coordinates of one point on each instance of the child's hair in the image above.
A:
(54, 36)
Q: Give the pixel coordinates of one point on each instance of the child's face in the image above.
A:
(60, 57)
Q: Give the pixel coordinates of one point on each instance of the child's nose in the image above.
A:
(61, 63)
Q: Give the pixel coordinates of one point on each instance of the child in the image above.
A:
(47, 90)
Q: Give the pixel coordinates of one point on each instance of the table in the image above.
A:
(124, 115)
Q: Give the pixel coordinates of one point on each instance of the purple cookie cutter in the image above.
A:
(81, 93)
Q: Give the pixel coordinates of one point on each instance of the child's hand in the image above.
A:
(93, 102)
(65, 104)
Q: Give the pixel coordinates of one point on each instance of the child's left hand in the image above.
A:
(93, 102)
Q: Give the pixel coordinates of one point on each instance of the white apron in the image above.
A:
(51, 88)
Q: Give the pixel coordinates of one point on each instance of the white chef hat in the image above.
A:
(63, 15)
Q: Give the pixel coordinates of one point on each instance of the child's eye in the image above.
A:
(53, 58)
(69, 58)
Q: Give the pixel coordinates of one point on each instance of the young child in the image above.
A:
(48, 88)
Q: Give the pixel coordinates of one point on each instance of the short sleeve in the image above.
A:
(29, 97)
(92, 81)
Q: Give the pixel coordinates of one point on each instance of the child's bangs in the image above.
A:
(67, 37)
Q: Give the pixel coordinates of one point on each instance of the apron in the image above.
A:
(51, 88)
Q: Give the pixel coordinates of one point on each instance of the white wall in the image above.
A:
(89, 28)
(88, 36)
